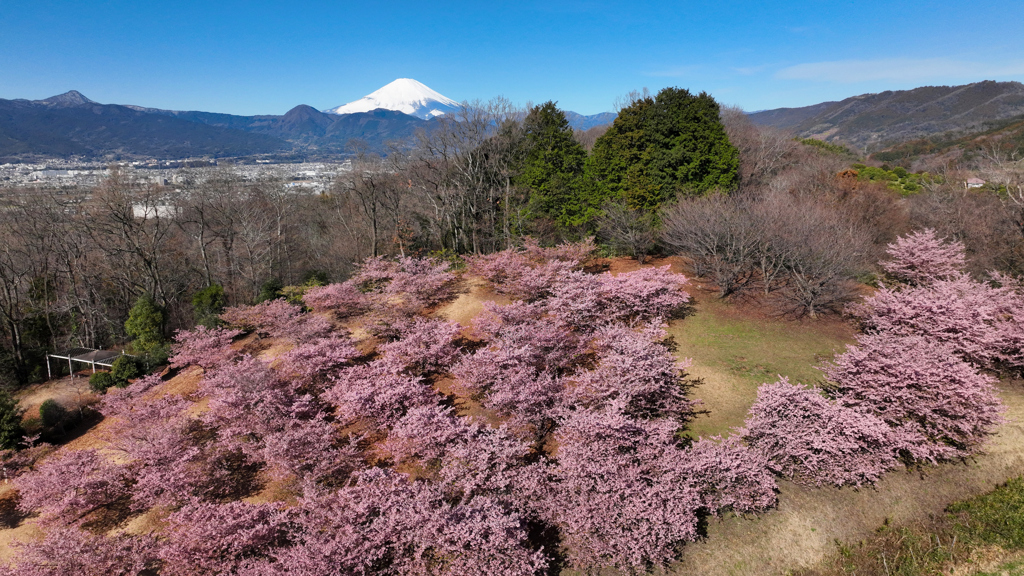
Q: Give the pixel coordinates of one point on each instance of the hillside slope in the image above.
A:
(872, 121)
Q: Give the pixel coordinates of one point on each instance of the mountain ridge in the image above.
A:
(71, 124)
(874, 121)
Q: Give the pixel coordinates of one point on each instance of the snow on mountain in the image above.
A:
(403, 95)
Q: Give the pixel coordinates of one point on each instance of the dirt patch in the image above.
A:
(71, 393)
(808, 522)
(276, 490)
(735, 349)
(10, 516)
(184, 383)
(471, 302)
(27, 531)
(274, 349)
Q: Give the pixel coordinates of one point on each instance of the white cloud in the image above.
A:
(906, 69)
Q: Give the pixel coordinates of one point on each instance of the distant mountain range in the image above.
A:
(875, 121)
(71, 124)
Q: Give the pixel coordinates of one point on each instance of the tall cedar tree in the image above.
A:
(661, 147)
(145, 324)
(553, 168)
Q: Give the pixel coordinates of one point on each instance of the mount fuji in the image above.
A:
(403, 95)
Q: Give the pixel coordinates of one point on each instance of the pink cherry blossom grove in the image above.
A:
(365, 434)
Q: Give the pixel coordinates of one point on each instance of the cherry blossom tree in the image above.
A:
(68, 487)
(312, 363)
(206, 538)
(343, 299)
(385, 524)
(814, 440)
(410, 282)
(619, 493)
(922, 257)
(377, 393)
(278, 319)
(984, 324)
(729, 475)
(66, 551)
(425, 345)
(202, 346)
(636, 371)
(940, 406)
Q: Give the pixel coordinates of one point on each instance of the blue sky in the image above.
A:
(263, 57)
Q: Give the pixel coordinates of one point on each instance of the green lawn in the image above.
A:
(734, 353)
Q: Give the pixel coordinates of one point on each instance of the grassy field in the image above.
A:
(735, 349)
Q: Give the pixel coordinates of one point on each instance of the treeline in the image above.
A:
(757, 212)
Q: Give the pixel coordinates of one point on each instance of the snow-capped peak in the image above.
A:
(403, 95)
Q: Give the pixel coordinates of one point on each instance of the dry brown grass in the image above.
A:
(808, 521)
(151, 521)
(71, 393)
(470, 302)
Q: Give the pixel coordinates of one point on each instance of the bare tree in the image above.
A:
(717, 233)
(821, 252)
(765, 151)
(628, 230)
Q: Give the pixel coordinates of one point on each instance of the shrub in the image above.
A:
(269, 290)
(125, 368)
(100, 381)
(52, 413)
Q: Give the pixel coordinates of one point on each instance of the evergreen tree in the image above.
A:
(620, 160)
(661, 147)
(145, 325)
(553, 168)
(207, 304)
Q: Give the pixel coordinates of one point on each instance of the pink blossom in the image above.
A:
(205, 538)
(342, 299)
(942, 406)
(425, 345)
(68, 487)
(65, 551)
(202, 346)
(921, 258)
(807, 437)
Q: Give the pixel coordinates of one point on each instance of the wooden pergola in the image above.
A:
(91, 356)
